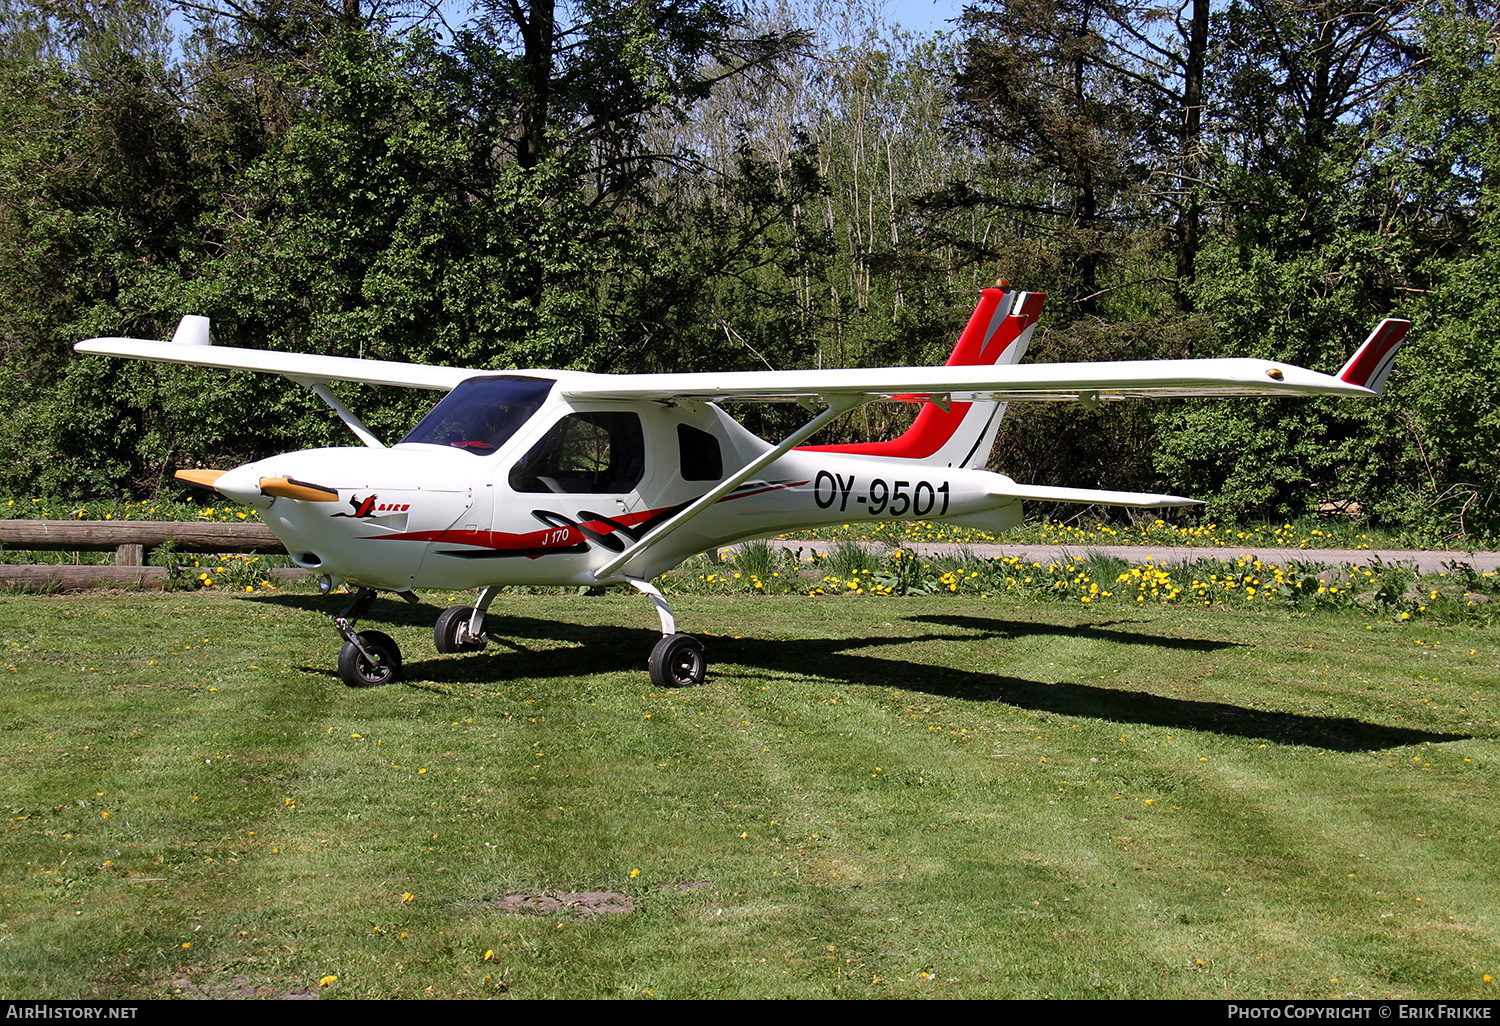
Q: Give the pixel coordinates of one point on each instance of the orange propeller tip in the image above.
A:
(201, 478)
(288, 488)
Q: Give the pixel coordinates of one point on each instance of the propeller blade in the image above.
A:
(201, 478)
(289, 488)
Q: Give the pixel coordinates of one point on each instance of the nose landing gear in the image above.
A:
(370, 659)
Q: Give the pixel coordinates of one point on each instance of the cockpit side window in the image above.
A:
(591, 453)
(481, 414)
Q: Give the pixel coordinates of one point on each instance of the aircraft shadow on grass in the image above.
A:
(1097, 632)
(593, 649)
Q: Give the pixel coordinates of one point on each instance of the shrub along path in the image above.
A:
(1424, 560)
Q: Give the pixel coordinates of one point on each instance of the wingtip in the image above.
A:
(192, 330)
(1371, 363)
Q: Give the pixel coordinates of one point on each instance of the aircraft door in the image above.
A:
(579, 489)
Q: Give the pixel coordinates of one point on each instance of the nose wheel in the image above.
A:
(370, 661)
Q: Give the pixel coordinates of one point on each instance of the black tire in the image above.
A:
(677, 662)
(450, 626)
(356, 670)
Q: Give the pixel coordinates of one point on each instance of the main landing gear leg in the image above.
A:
(366, 659)
(461, 628)
(677, 660)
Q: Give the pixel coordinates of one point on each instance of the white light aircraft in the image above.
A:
(568, 478)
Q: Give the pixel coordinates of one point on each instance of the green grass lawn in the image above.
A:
(939, 796)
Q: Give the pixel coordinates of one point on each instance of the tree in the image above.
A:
(1081, 108)
(97, 182)
(1436, 166)
(329, 183)
(1039, 90)
(1303, 259)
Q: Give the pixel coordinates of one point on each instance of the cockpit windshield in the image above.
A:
(481, 414)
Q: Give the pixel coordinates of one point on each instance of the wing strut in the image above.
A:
(838, 404)
(345, 414)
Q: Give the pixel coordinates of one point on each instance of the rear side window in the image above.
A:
(590, 453)
(699, 451)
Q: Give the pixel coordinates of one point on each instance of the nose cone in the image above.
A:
(242, 484)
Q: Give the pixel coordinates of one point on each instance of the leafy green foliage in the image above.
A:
(614, 187)
(375, 216)
(1309, 254)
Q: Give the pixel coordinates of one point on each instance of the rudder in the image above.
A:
(962, 434)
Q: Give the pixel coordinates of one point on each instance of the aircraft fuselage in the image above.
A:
(573, 487)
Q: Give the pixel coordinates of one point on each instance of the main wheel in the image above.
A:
(451, 632)
(677, 662)
(357, 671)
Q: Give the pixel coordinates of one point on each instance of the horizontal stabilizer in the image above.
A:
(1143, 500)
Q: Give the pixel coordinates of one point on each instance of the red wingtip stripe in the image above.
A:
(1374, 356)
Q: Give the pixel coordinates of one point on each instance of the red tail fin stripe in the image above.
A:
(992, 311)
(1374, 357)
(991, 322)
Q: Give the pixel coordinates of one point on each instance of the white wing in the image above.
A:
(1056, 382)
(1005, 383)
(300, 367)
(1090, 383)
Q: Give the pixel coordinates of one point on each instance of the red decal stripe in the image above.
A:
(759, 491)
(1373, 355)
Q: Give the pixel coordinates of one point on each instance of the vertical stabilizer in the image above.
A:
(961, 434)
(192, 330)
